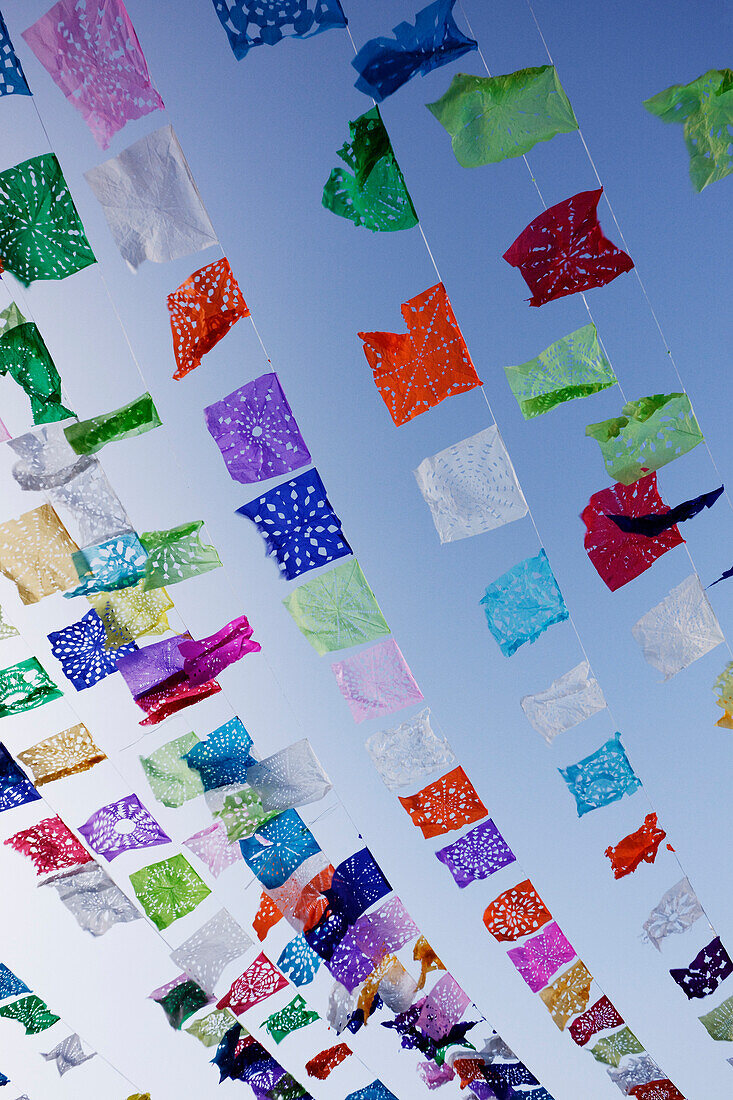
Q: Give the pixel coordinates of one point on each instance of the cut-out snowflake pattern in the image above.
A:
(522, 603)
(337, 609)
(168, 890)
(447, 804)
(49, 845)
(202, 310)
(477, 854)
(516, 912)
(122, 826)
(258, 982)
(376, 681)
(289, 778)
(81, 651)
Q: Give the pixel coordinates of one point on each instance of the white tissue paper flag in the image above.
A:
(408, 752)
(204, 955)
(678, 630)
(567, 701)
(289, 778)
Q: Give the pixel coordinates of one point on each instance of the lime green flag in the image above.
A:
(171, 780)
(705, 107)
(176, 554)
(89, 436)
(168, 890)
(575, 366)
(650, 433)
(337, 609)
(719, 1022)
(491, 118)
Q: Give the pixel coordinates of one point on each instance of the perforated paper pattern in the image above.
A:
(33, 1013)
(638, 847)
(278, 848)
(649, 433)
(171, 779)
(447, 804)
(679, 630)
(477, 854)
(705, 108)
(25, 686)
(131, 613)
(541, 956)
(176, 554)
(213, 848)
(122, 826)
(324, 1063)
(573, 367)
(522, 603)
(12, 77)
(258, 982)
(675, 912)
(202, 310)
(337, 609)
(93, 899)
(569, 700)
(376, 681)
(516, 912)
(611, 1049)
(36, 554)
(601, 778)
(599, 1017)
(212, 947)
(409, 752)
(250, 23)
(568, 994)
(711, 966)
(298, 961)
(290, 1018)
(80, 648)
(168, 890)
(68, 1054)
(49, 845)
(289, 778)
(16, 788)
(223, 757)
(26, 359)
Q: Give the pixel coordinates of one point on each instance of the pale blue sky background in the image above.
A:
(261, 137)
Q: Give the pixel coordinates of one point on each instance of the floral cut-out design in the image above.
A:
(202, 310)
(447, 804)
(250, 23)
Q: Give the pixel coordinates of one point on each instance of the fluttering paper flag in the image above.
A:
(115, 564)
(258, 982)
(301, 898)
(375, 1091)
(385, 64)
(46, 461)
(653, 525)
(172, 780)
(323, 1064)
(541, 956)
(573, 367)
(723, 686)
(649, 433)
(290, 1018)
(68, 1054)
(213, 848)
(568, 994)
(151, 202)
(298, 523)
(337, 609)
(289, 778)
(241, 813)
(278, 848)
(93, 898)
(176, 555)
(657, 1090)
(137, 417)
(223, 757)
(89, 506)
(477, 854)
(711, 966)
(358, 883)
(423, 953)
(679, 630)
(205, 658)
(376, 681)
(92, 53)
(170, 695)
(719, 1022)
(676, 911)
(492, 118)
(705, 107)
(168, 890)
(471, 487)
(447, 804)
(442, 1008)
(203, 309)
(10, 984)
(131, 613)
(408, 752)
(516, 912)
(7, 630)
(601, 778)
(180, 999)
(33, 1013)
(36, 554)
(25, 686)
(611, 1049)
(617, 554)
(16, 788)
(638, 847)
(12, 77)
(522, 603)
(373, 192)
(122, 826)
(250, 23)
(568, 701)
(599, 1017)
(41, 234)
(209, 1030)
(298, 961)
(266, 917)
(212, 947)
(416, 370)
(384, 931)
(563, 251)
(49, 845)
(26, 359)
(256, 432)
(81, 651)
(638, 1069)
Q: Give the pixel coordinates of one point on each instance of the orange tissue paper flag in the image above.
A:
(448, 803)
(516, 912)
(638, 847)
(202, 310)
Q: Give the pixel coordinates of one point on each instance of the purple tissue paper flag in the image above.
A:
(122, 826)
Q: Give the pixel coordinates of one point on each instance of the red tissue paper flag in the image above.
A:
(657, 1090)
(598, 1017)
(260, 980)
(202, 310)
(50, 846)
(638, 847)
(323, 1063)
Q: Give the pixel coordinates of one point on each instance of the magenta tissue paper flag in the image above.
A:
(92, 53)
(205, 659)
(541, 956)
(376, 681)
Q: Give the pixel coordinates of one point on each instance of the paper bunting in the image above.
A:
(423, 953)
(93, 899)
(202, 310)
(16, 788)
(256, 432)
(522, 603)
(278, 848)
(242, 813)
(568, 701)
(171, 779)
(89, 506)
(573, 367)
(122, 826)
(705, 107)
(375, 1091)
(711, 966)
(516, 913)
(358, 883)
(290, 1018)
(36, 554)
(385, 64)
(620, 556)
(408, 752)
(649, 433)
(249, 23)
(49, 845)
(324, 1063)
(348, 965)
(301, 898)
(391, 982)
(131, 613)
(657, 1090)
(205, 658)
(471, 487)
(266, 917)
(213, 848)
(679, 630)
(676, 911)
(337, 609)
(723, 686)
(81, 651)
(176, 555)
(168, 890)
(7, 630)
(25, 686)
(385, 930)
(93, 55)
(638, 1069)
(568, 994)
(602, 777)
(477, 854)
(68, 1054)
(46, 461)
(10, 984)
(541, 956)
(171, 696)
(433, 1075)
(563, 251)
(416, 370)
(376, 681)
(373, 193)
(492, 118)
(26, 359)
(719, 1022)
(12, 77)
(41, 235)
(89, 436)
(150, 201)
(298, 961)
(222, 757)
(599, 1017)
(613, 1048)
(206, 953)
(181, 1002)
(289, 778)
(258, 982)
(653, 525)
(638, 847)
(442, 1008)
(447, 804)
(33, 1013)
(209, 1030)
(114, 564)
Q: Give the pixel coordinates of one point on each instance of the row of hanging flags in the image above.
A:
(80, 542)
